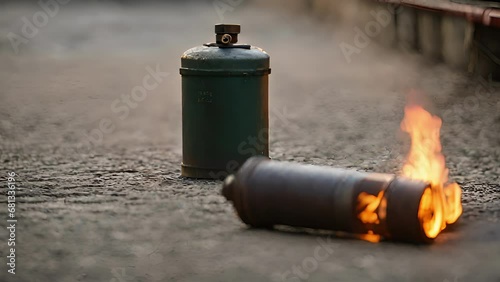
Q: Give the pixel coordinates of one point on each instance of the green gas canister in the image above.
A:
(225, 108)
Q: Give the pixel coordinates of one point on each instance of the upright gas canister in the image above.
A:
(225, 113)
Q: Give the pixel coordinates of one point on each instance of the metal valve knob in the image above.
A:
(227, 33)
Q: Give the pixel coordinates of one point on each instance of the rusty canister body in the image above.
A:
(267, 193)
(224, 105)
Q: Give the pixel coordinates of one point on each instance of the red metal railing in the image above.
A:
(482, 15)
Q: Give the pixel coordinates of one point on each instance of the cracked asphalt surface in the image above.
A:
(118, 210)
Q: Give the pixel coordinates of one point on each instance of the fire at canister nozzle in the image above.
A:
(269, 193)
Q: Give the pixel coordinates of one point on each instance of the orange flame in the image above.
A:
(371, 204)
(373, 211)
(442, 204)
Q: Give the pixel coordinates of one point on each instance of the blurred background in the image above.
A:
(101, 197)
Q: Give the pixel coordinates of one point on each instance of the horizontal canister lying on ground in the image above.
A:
(267, 193)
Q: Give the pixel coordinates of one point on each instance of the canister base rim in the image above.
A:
(203, 173)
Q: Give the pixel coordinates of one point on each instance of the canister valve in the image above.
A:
(227, 33)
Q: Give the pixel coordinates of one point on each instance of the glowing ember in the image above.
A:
(441, 205)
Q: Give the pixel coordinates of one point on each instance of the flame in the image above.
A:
(370, 204)
(441, 205)
(373, 210)
(370, 237)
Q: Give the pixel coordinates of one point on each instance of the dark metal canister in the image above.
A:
(267, 193)
(224, 105)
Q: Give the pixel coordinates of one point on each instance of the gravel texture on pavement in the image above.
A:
(117, 210)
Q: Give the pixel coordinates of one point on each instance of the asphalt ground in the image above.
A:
(116, 209)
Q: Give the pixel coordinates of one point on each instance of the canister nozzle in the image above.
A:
(227, 33)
